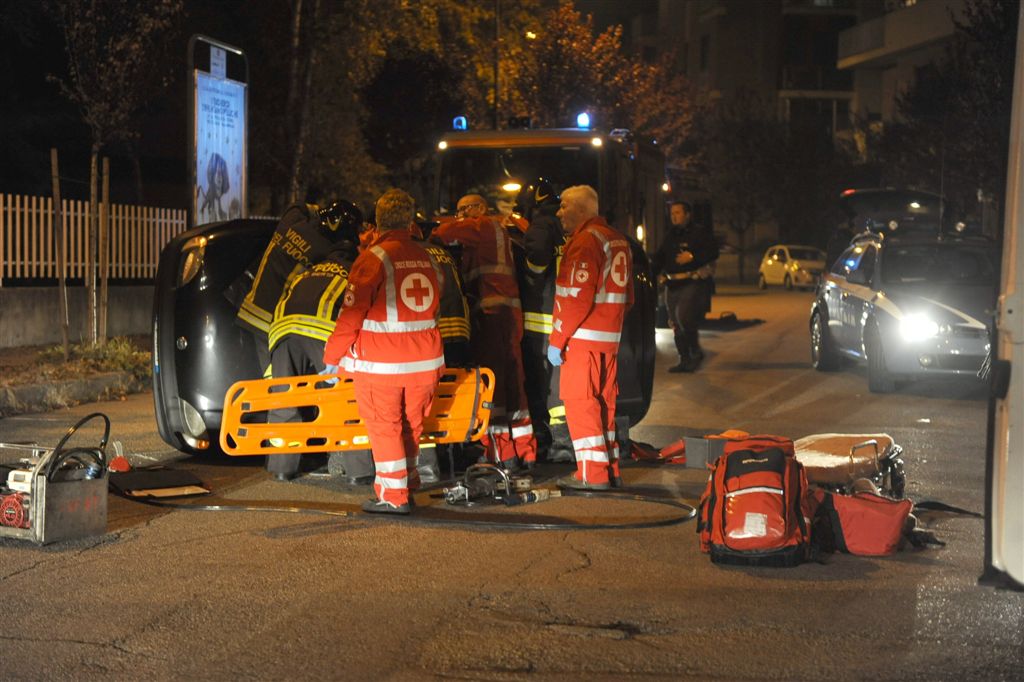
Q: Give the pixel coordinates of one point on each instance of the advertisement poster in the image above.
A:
(220, 191)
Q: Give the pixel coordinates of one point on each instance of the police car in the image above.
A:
(911, 303)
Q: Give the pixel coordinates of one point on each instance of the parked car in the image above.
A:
(199, 351)
(791, 265)
(910, 304)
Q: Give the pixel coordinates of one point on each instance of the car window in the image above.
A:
(807, 254)
(782, 256)
(937, 264)
(857, 257)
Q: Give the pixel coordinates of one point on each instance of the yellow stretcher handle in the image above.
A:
(330, 421)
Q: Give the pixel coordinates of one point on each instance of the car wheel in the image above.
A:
(879, 379)
(823, 353)
(761, 284)
(788, 283)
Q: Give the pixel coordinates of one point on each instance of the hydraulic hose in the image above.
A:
(412, 520)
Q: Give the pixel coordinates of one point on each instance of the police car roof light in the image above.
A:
(583, 120)
(460, 123)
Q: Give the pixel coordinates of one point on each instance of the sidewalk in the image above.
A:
(35, 379)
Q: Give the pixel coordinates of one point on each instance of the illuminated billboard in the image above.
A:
(219, 143)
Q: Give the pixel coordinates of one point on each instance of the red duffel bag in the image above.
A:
(863, 523)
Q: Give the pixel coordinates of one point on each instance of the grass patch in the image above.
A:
(121, 354)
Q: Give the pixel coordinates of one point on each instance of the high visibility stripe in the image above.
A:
(755, 489)
(556, 411)
(261, 324)
(522, 431)
(537, 322)
(393, 467)
(355, 365)
(588, 442)
(610, 298)
(453, 326)
(256, 311)
(592, 455)
(392, 483)
(595, 335)
(331, 295)
(390, 295)
(304, 325)
(536, 269)
(397, 327)
(489, 270)
(520, 414)
(567, 291)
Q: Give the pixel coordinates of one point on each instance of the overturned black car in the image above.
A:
(199, 350)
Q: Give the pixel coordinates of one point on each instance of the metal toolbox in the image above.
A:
(49, 495)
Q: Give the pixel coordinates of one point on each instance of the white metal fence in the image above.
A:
(28, 242)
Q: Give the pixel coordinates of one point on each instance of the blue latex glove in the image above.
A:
(330, 369)
(554, 356)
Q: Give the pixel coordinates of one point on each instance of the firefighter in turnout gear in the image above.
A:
(303, 237)
(488, 273)
(594, 290)
(386, 339)
(542, 249)
(303, 320)
(685, 262)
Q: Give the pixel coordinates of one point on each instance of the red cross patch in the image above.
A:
(350, 298)
(582, 276)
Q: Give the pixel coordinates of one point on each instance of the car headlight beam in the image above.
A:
(191, 260)
(918, 327)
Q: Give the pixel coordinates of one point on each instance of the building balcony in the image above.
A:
(879, 42)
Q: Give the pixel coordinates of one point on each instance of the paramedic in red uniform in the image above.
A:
(593, 290)
(387, 340)
(489, 278)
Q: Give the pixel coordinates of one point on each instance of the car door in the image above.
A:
(833, 293)
(858, 295)
(781, 263)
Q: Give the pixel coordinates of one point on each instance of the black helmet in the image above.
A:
(537, 193)
(341, 220)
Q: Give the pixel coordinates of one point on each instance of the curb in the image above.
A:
(33, 398)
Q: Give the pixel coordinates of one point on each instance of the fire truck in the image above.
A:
(628, 173)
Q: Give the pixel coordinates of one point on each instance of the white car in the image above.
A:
(791, 265)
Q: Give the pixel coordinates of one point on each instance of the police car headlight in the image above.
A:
(918, 327)
(191, 259)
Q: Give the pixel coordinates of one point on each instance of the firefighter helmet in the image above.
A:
(537, 193)
(341, 220)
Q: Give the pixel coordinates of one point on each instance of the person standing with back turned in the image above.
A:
(593, 290)
(387, 340)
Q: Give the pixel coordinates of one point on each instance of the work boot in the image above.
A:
(511, 465)
(574, 483)
(616, 482)
(375, 506)
(686, 365)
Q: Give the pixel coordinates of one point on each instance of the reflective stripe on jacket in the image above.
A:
(593, 290)
(488, 269)
(387, 329)
(453, 313)
(312, 302)
(296, 244)
(543, 246)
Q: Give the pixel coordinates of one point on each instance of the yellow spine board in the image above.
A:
(460, 413)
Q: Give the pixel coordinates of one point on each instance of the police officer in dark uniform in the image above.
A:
(303, 319)
(685, 263)
(305, 234)
(543, 243)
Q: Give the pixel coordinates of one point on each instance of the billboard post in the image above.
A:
(218, 118)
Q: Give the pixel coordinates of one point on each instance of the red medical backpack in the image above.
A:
(755, 510)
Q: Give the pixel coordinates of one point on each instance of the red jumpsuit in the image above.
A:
(593, 290)
(386, 338)
(489, 278)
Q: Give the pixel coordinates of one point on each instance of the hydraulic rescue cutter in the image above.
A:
(329, 420)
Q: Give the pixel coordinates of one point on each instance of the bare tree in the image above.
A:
(113, 50)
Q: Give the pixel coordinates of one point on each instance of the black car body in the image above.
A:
(199, 350)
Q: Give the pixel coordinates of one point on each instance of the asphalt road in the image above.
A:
(273, 595)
